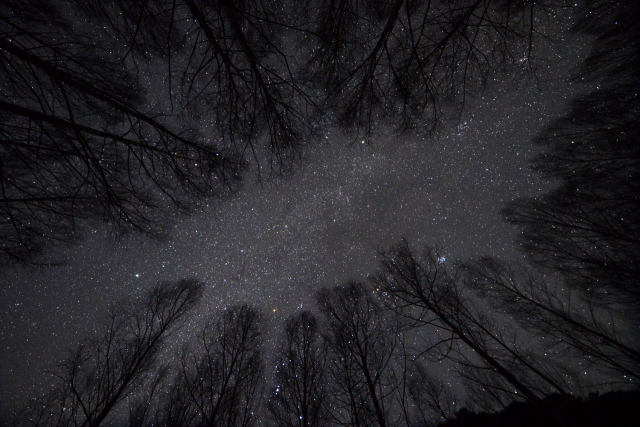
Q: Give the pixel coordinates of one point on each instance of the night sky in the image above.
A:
(276, 242)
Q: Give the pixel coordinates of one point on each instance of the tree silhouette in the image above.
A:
(112, 365)
(299, 397)
(560, 315)
(587, 229)
(485, 351)
(225, 59)
(142, 406)
(227, 81)
(78, 142)
(362, 347)
(219, 381)
(409, 63)
(430, 395)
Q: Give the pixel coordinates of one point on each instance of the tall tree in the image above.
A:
(113, 364)
(588, 228)
(482, 347)
(430, 396)
(226, 61)
(569, 323)
(79, 141)
(229, 81)
(220, 380)
(410, 63)
(362, 348)
(143, 405)
(299, 397)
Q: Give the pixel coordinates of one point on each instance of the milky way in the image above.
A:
(275, 242)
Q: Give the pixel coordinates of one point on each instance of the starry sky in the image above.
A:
(277, 241)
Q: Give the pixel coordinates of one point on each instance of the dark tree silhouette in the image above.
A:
(142, 406)
(227, 61)
(560, 315)
(431, 397)
(361, 351)
(174, 408)
(408, 63)
(112, 365)
(299, 397)
(79, 142)
(220, 381)
(588, 228)
(483, 348)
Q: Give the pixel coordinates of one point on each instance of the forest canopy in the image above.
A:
(132, 111)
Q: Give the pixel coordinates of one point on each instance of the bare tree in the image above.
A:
(409, 63)
(78, 141)
(299, 396)
(431, 397)
(110, 366)
(569, 322)
(143, 405)
(226, 61)
(229, 81)
(587, 229)
(220, 381)
(175, 408)
(362, 348)
(262, 68)
(485, 350)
